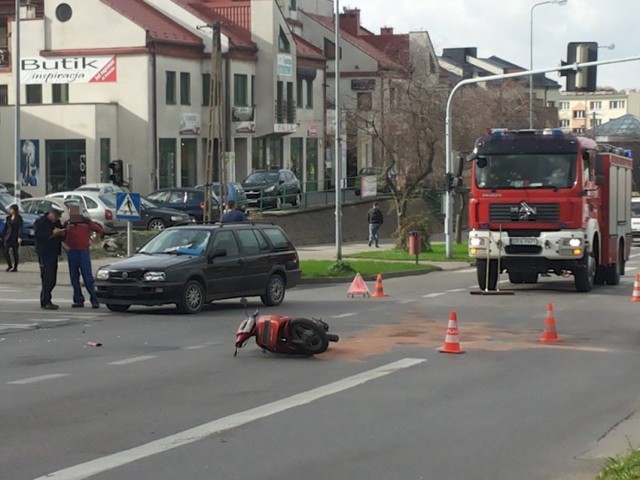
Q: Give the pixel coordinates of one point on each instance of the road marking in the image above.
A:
(100, 465)
(635, 255)
(196, 347)
(433, 295)
(405, 302)
(631, 268)
(344, 315)
(38, 320)
(456, 290)
(41, 378)
(18, 325)
(464, 270)
(128, 361)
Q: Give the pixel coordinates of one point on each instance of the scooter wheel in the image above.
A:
(308, 337)
(333, 337)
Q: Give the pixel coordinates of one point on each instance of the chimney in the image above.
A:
(350, 21)
(386, 31)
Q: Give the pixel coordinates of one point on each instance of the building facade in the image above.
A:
(580, 112)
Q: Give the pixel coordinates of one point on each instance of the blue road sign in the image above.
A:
(128, 206)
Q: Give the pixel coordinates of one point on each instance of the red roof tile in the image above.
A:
(158, 26)
(307, 49)
(384, 60)
(395, 46)
(237, 34)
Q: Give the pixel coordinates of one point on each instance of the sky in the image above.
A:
(502, 28)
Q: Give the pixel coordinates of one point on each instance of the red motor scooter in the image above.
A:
(282, 334)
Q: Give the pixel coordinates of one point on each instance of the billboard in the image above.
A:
(244, 120)
(40, 70)
(190, 124)
(29, 162)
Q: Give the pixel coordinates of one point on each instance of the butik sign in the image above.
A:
(39, 70)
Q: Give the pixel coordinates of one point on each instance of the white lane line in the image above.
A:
(344, 315)
(41, 378)
(631, 269)
(635, 255)
(464, 270)
(456, 290)
(42, 320)
(100, 465)
(128, 361)
(405, 302)
(196, 347)
(433, 295)
(18, 325)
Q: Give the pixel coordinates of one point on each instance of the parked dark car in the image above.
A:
(234, 192)
(153, 217)
(195, 265)
(272, 189)
(28, 219)
(8, 187)
(188, 200)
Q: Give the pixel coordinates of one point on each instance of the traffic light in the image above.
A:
(117, 175)
(584, 79)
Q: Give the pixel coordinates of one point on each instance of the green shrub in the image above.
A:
(415, 223)
(341, 268)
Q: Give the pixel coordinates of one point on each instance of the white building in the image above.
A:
(580, 112)
(129, 79)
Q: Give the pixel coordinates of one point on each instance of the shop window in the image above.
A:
(105, 158)
(60, 93)
(66, 164)
(167, 167)
(34, 94)
(170, 89)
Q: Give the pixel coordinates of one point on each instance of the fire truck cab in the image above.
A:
(547, 202)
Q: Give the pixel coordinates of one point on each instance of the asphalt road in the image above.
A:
(164, 398)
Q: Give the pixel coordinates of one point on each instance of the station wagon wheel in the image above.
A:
(117, 308)
(156, 224)
(274, 293)
(192, 298)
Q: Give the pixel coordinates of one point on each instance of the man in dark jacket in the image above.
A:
(78, 239)
(49, 235)
(233, 214)
(375, 220)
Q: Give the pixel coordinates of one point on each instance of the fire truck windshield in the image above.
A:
(526, 171)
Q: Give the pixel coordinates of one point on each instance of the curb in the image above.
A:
(367, 278)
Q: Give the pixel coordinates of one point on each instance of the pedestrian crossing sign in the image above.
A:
(128, 206)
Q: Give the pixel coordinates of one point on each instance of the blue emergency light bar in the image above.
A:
(500, 132)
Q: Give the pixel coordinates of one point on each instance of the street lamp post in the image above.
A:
(557, 2)
(337, 152)
(16, 78)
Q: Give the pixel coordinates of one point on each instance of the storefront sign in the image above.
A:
(312, 130)
(190, 124)
(285, 128)
(369, 186)
(362, 85)
(285, 65)
(39, 70)
(244, 120)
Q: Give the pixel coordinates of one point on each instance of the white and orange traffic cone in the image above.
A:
(379, 292)
(635, 297)
(452, 340)
(550, 333)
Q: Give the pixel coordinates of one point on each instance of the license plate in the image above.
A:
(124, 291)
(32, 232)
(523, 241)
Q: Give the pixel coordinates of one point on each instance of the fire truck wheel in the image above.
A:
(481, 271)
(614, 271)
(584, 278)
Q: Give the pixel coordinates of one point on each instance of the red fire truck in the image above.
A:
(546, 202)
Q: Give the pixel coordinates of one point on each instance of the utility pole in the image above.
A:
(215, 124)
(16, 79)
(337, 148)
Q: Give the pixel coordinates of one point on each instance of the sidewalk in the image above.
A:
(29, 272)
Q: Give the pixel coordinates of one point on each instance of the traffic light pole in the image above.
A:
(448, 227)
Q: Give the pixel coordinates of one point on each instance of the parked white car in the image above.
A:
(100, 206)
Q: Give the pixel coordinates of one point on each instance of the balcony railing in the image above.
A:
(285, 112)
(5, 58)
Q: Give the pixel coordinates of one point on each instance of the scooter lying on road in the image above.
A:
(281, 334)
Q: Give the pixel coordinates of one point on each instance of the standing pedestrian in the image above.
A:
(78, 239)
(233, 214)
(375, 220)
(12, 237)
(49, 235)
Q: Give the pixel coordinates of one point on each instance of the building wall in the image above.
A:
(599, 103)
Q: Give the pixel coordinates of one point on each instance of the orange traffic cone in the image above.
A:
(636, 290)
(451, 340)
(550, 333)
(379, 290)
(358, 287)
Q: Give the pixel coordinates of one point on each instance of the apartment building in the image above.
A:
(142, 95)
(580, 112)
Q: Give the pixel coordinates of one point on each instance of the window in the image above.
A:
(565, 123)
(185, 88)
(283, 42)
(262, 242)
(159, 197)
(4, 95)
(365, 102)
(564, 106)
(578, 114)
(249, 242)
(578, 130)
(170, 91)
(616, 104)
(290, 103)
(34, 94)
(105, 158)
(330, 50)
(64, 12)
(240, 90)
(596, 123)
(167, 170)
(595, 105)
(226, 240)
(277, 238)
(65, 165)
(551, 104)
(206, 89)
(60, 93)
(293, 4)
(309, 93)
(393, 98)
(253, 90)
(300, 90)
(91, 204)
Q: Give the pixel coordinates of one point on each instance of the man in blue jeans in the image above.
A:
(78, 239)
(375, 220)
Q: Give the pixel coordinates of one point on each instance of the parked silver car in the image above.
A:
(100, 207)
(41, 205)
(109, 188)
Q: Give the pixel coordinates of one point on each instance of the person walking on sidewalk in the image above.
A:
(375, 220)
(49, 235)
(12, 237)
(233, 214)
(79, 230)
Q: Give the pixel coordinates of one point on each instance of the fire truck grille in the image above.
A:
(517, 212)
